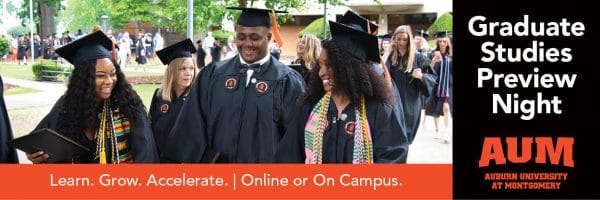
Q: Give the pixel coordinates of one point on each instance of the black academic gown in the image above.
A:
(302, 69)
(388, 145)
(162, 116)
(435, 105)
(411, 90)
(244, 124)
(140, 142)
(7, 153)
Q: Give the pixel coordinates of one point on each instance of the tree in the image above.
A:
(44, 12)
(165, 13)
(75, 19)
(442, 23)
(3, 46)
(316, 28)
(9, 9)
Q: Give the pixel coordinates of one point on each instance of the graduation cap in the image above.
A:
(386, 37)
(359, 44)
(441, 34)
(184, 48)
(253, 17)
(356, 21)
(423, 33)
(90, 47)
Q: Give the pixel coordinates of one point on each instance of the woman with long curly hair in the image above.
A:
(168, 100)
(347, 106)
(99, 110)
(404, 64)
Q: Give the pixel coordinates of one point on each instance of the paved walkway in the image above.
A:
(50, 92)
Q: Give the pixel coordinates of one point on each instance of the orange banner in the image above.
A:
(240, 181)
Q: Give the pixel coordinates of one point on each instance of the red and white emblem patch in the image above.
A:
(164, 108)
(350, 128)
(262, 87)
(230, 83)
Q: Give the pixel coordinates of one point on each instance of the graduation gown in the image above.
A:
(162, 117)
(7, 153)
(244, 124)
(435, 105)
(388, 145)
(411, 90)
(140, 141)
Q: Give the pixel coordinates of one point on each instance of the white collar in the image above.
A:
(261, 61)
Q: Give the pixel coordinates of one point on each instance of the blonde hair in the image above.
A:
(312, 50)
(448, 46)
(170, 78)
(408, 57)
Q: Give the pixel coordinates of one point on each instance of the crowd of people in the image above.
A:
(340, 101)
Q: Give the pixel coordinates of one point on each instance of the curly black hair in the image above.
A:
(351, 76)
(79, 108)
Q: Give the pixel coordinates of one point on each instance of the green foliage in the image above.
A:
(442, 23)
(24, 11)
(18, 30)
(75, 19)
(4, 46)
(222, 35)
(315, 27)
(50, 72)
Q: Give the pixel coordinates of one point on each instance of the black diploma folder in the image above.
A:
(58, 147)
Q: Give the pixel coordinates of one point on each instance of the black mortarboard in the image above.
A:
(386, 37)
(184, 48)
(441, 34)
(359, 44)
(356, 21)
(425, 33)
(252, 17)
(90, 47)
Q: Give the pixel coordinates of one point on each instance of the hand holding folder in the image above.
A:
(58, 147)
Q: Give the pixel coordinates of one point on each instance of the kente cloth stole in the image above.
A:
(111, 138)
(317, 123)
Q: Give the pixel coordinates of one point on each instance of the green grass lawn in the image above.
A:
(19, 90)
(141, 73)
(16, 71)
(145, 91)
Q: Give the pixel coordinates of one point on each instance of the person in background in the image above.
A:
(200, 55)
(308, 51)
(215, 51)
(404, 65)
(209, 43)
(124, 44)
(140, 47)
(99, 110)
(230, 49)
(440, 103)
(158, 42)
(170, 97)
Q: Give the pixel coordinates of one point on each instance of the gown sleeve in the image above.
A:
(429, 79)
(291, 147)
(143, 146)
(389, 145)
(7, 153)
(153, 108)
